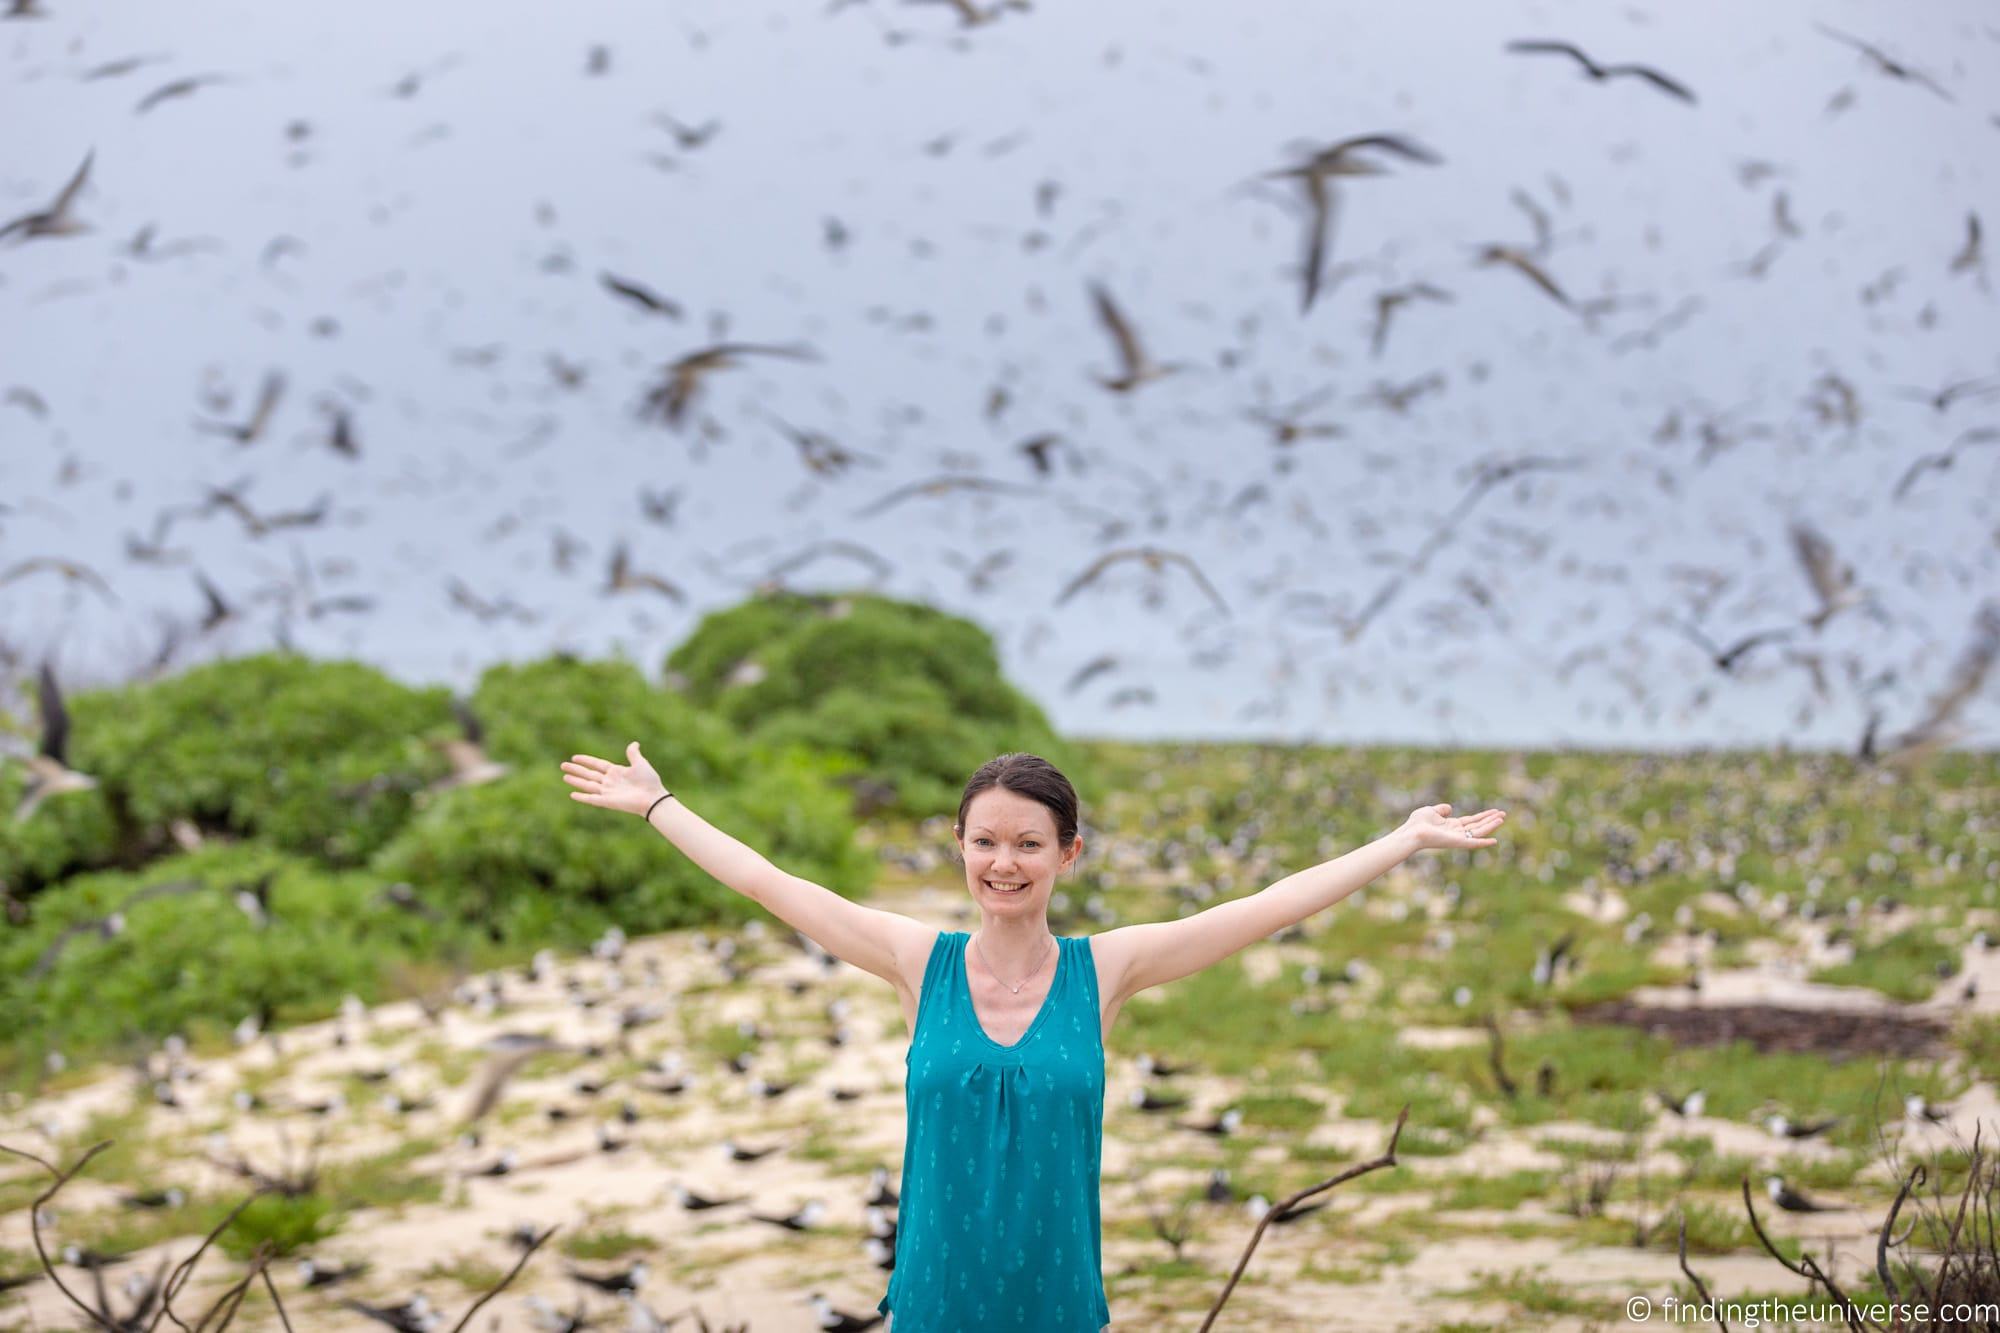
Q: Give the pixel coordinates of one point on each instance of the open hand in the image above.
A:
(1434, 826)
(630, 787)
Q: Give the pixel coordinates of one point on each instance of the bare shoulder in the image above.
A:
(1113, 950)
(911, 941)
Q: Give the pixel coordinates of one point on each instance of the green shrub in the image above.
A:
(522, 861)
(537, 714)
(914, 697)
(195, 961)
(289, 1224)
(317, 758)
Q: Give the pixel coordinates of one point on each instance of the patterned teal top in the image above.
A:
(997, 1222)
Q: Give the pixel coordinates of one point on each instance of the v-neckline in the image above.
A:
(1040, 1014)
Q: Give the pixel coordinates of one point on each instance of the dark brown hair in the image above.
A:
(1031, 776)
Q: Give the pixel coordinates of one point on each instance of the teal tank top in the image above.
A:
(997, 1224)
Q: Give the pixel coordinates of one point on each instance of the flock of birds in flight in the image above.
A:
(676, 398)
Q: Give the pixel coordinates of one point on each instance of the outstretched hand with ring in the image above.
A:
(1434, 826)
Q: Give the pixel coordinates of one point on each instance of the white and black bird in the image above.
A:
(1792, 1201)
(698, 1203)
(411, 1316)
(1221, 1127)
(1685, 1106)
(805, 1219)
(838, 1321)
(1787, 1128)
(313, 1273)
(1551, 959)
(627, 1279)
(1142, 1099)
(1917, 1107)
(1258, 1206)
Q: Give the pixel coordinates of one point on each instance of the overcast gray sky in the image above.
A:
(454, 180)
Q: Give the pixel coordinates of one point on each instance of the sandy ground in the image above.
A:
(737, 1268)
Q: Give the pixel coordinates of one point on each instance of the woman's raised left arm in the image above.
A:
(1153, 953)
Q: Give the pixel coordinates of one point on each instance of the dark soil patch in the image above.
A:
(1833, 1032)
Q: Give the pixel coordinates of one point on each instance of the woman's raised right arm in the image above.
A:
(888, 944)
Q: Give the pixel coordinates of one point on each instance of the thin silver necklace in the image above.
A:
(1031, 971)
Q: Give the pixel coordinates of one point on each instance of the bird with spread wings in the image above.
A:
(1155, 559)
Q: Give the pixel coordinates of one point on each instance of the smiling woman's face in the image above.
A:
(1011, 839)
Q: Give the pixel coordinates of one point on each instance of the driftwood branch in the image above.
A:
(1388, 1158)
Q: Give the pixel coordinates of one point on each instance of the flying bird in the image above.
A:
(1941, 462)
(1389, 302)
(820, 452)
(1726, 659)
(1895, 69)
(268, 396)
(513, 1050)
(1833, 580)
(1972, 258)
(1316, 173)
(178, 88)
(470, 766)
(49, 773)
(942, 485)
(1136, 368)
(682, 379)
(775, 575)
(641, 295)
(624, 578)
(56, 219)
(1599, 73)
(73, 571)
(1037, 448)
(1154, 559)
(1522, 262)
(1968, 678)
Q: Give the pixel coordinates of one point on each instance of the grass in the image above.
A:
(608, 1241)
(1530, 1292)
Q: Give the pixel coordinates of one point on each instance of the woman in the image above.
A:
(998, 1224)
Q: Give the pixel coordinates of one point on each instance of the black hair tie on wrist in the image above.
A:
(656, 805)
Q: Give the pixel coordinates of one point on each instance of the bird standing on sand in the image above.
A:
(1792, 1201)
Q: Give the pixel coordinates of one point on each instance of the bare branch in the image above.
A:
(35, 1226)
(1700, 1289)
(1388, 1158)
(526, 1254)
